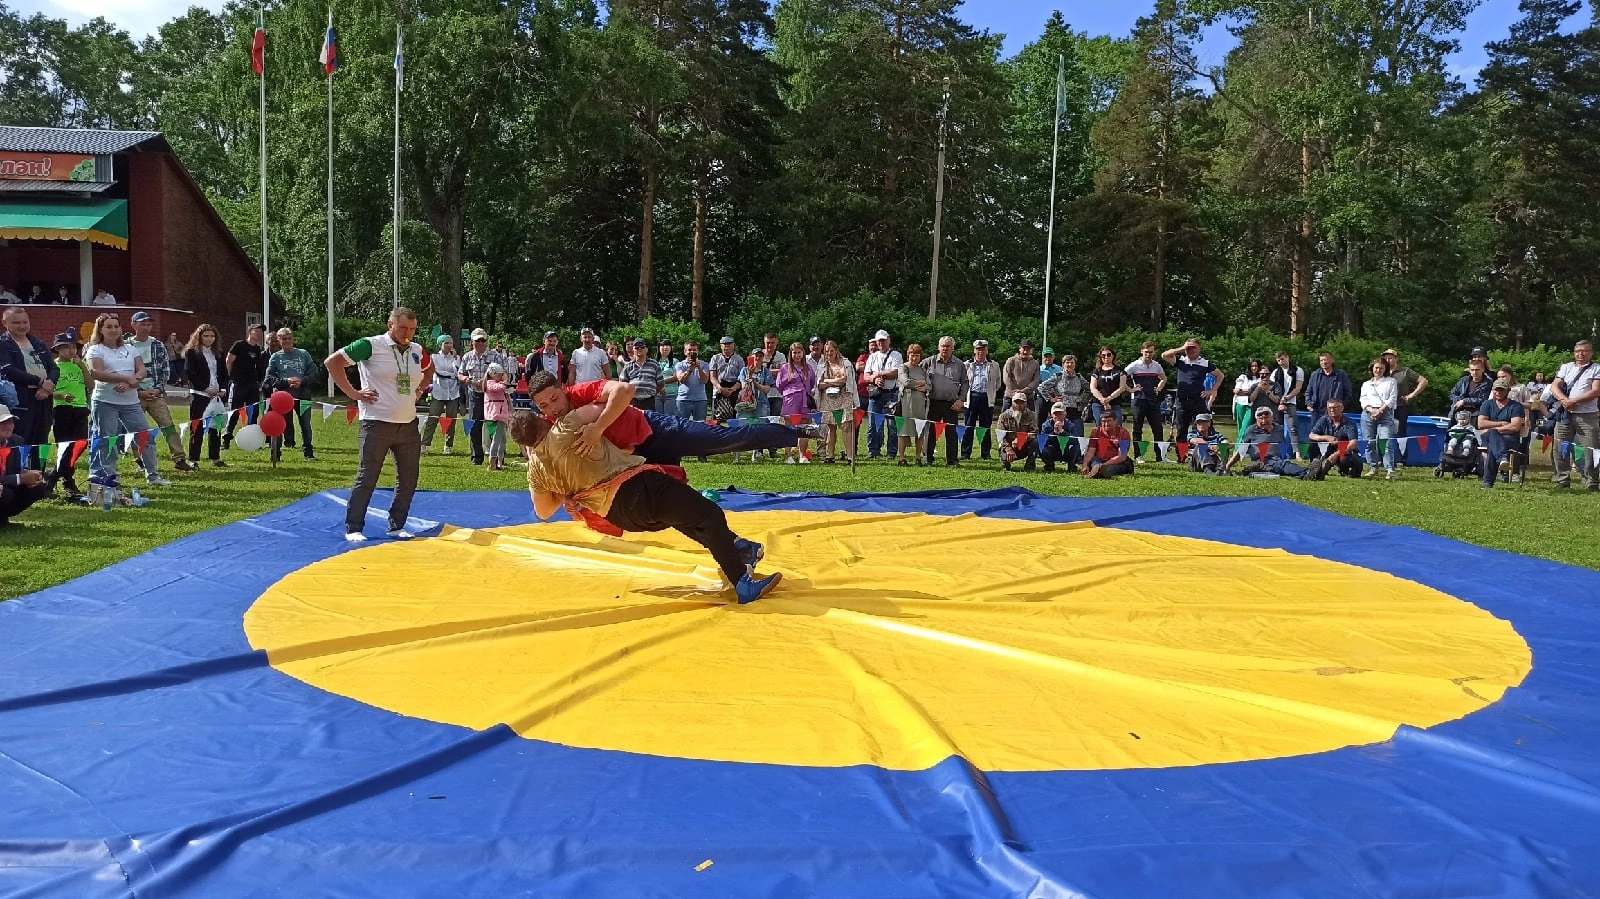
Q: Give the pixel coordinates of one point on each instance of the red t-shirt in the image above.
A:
(861, 376)
(628, 431)
(1105, 446)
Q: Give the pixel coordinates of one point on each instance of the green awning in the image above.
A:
(101, 221)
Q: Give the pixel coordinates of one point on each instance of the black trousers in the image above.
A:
(939, 410)
(34, 420)
(477, 428)
(979, 414)
(1149, 410)
(652, 501)
(197, 410)
(72, 423)
(1188, 408)
(242, 396)
(16, 500)
(1349, 466)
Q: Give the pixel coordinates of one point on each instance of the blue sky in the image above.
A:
(1023, 20)
(1019, 20)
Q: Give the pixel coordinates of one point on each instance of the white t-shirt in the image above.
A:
(1379, 392)
(122, 360)
(1573, 384)
(589, 364)
(394, 371)
(880, 362)
(106, 300)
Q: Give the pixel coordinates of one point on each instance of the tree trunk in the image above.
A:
(450, 237)
(647, 285)
(697, 300)
(1349, 304)
(1300, 281)
(1158, 300)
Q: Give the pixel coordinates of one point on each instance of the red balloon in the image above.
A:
(282, 402)
(273, 424)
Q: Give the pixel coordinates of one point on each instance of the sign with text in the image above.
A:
(46, 167)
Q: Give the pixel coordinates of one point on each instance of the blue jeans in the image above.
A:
(673, 438)
(693, 410)
(1497, 447)
(877, 416)
(110, 421)
(1373, 430)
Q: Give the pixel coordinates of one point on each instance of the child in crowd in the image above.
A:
(71, 412)
(496, 413)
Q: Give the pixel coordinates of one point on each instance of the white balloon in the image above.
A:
(249, 438)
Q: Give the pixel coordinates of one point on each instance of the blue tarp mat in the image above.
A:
(146, 750)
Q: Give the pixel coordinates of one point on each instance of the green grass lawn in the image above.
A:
(58, 543)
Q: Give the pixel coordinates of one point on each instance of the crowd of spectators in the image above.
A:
(1032, 410)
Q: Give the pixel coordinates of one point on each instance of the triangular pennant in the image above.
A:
(522, 385)
(961, 432)
(447, 423)
(78, 449)
(900, 423)
(1566, 449)
(981, 434)
(1142, 447)
(422, 420)
(938, 429)
(493, 427)
(169, 430)
(797, 419)
(219, 421)
(183, 429)
(1383, 446)
(1422, 443)
(1305, 450)
(860, 414)
(1000, 435)
(351, 413)
(467, 424)
(327, 410)
(127, 441)
(143, 439)
(1061, 441)
(1083, 444)
(1122, 447)
(1183, 450)
(1594, 456)
(1200, 449)
(838, 416)
(98, 444)
(46, 452)
(5, 456)
(1163, 448)
(1344, 447)
(304, 406)
(1546, 439)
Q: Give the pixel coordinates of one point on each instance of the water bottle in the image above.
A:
(139, 500)
(105, 499)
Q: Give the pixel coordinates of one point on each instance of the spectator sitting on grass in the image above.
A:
(19, 487)
(1108, 449)
(1019, 419)
(1205, 434)
(1258, 449)
(1331, 430)
(1057, 427)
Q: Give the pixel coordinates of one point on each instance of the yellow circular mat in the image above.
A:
(894, 640)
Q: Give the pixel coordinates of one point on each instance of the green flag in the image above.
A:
(1061, 88)
(1062, 442)
(900, 423)
(982, 434)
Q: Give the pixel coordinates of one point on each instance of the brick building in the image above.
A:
(85, 209)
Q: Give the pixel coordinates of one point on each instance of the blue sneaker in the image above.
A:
(752, 553)
(749, 589)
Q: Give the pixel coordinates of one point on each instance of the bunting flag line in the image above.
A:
(1183, 451)
(1422, 443)
(467, 424)
(961, 433)
(327, 410)
(447, 423)
(183, 430)
(981, 434)
(493, 427)
(859, 415)
(78, 449)
(938, 430)
(351, 413)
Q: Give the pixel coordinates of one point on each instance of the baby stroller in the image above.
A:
(1460, 457)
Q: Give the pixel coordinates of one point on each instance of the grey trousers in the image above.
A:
(1583, 430)
(376, 440)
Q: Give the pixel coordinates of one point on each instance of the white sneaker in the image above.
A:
(399, 534)
(805, 460)
(156, 480)
(355, 537)
(755, 457)
(447, 451)
(1138, 460)
(790, 461)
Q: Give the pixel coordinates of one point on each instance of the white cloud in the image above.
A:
(138, 17)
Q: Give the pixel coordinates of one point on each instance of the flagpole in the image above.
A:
(399, 69)
(266, 289)
(331, 347)
(1055, 153)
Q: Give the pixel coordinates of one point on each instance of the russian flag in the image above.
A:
(330, 50)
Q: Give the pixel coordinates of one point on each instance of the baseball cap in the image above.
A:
(1502, 383)
(586, 330)
(816, 340)
(665, 342)
(725, 341)
(1204, 416)
(142, 316)
(1478, 353)
(1059, 407)
(480, 334)
(5, 413)
(881, 335)
(1025, 343)
(1391, 351)
(1019, 395)
(1047, 352)
(63, 338)
(549, 334)
(639, 342)
(980, 342)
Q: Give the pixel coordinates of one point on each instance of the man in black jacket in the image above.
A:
(26, 361)
(19, 487)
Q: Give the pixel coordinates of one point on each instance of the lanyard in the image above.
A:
(402, 364)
